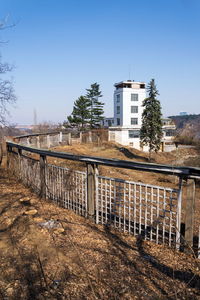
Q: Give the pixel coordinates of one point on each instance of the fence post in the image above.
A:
(178, 220)
(19, 162)
(38, 141)
(60, 137)
(80, 137)
(69, 138)
(189, 217)
(42, 176)
(1, 153)
(48, 141)
(7, 156)
(89, 137)
(92, 171)
(28, 141)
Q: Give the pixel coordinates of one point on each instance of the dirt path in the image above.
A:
(80, 260)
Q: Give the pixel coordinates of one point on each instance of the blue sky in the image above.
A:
(60, 47)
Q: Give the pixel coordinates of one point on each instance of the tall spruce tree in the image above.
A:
(81, 114)
(151, 130)
(96, 107)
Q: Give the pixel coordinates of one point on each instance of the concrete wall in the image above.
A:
(121, 136)
(49, 140)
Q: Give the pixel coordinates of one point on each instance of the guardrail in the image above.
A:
(124, 204)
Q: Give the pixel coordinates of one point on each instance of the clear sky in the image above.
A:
(60, 47)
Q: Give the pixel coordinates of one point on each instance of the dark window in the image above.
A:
(134, 133)
(118, 98)
(170, 132)
(134, 121)
(134, 109)
(118, 121)
(134, 97)
(118, 109)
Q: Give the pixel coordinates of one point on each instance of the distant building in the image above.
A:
(128, 99)
(183, 113)
(24, 127)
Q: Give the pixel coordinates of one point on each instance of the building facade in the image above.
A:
(128, 100)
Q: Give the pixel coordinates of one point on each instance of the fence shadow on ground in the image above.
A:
(139, 266)
(131, 155)
(192, 280)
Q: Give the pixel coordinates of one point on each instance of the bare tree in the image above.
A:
(7, 95)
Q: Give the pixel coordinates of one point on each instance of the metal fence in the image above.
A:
(141, 209)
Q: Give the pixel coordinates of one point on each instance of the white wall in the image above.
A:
(121, 136)
(125, 106)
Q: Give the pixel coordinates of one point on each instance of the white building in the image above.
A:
(128, 100)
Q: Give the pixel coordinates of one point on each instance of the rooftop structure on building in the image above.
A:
(130, 84)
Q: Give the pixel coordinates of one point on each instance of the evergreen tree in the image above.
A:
(80, 115)
(151, 130)
(96, 107)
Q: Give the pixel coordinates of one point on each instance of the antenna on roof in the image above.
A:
(129, 72)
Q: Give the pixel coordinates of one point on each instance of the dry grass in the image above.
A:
(113, 150)
(83, 260)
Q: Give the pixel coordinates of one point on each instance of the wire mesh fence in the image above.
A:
(140, 209)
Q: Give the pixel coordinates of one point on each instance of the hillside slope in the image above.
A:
(79, 259)
(188, 125)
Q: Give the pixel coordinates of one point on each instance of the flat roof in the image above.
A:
(129, 81)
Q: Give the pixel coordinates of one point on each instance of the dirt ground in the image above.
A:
(47, 252)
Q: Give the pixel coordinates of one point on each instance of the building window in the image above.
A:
(134, 133)
(170, 132)
(118, 121)
(134, 121)
(118, 98)
(134, 109)
(134, 97)
(118, 109)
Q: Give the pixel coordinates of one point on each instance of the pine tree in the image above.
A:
(80, 115)
(151, 130)
(96, 107)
